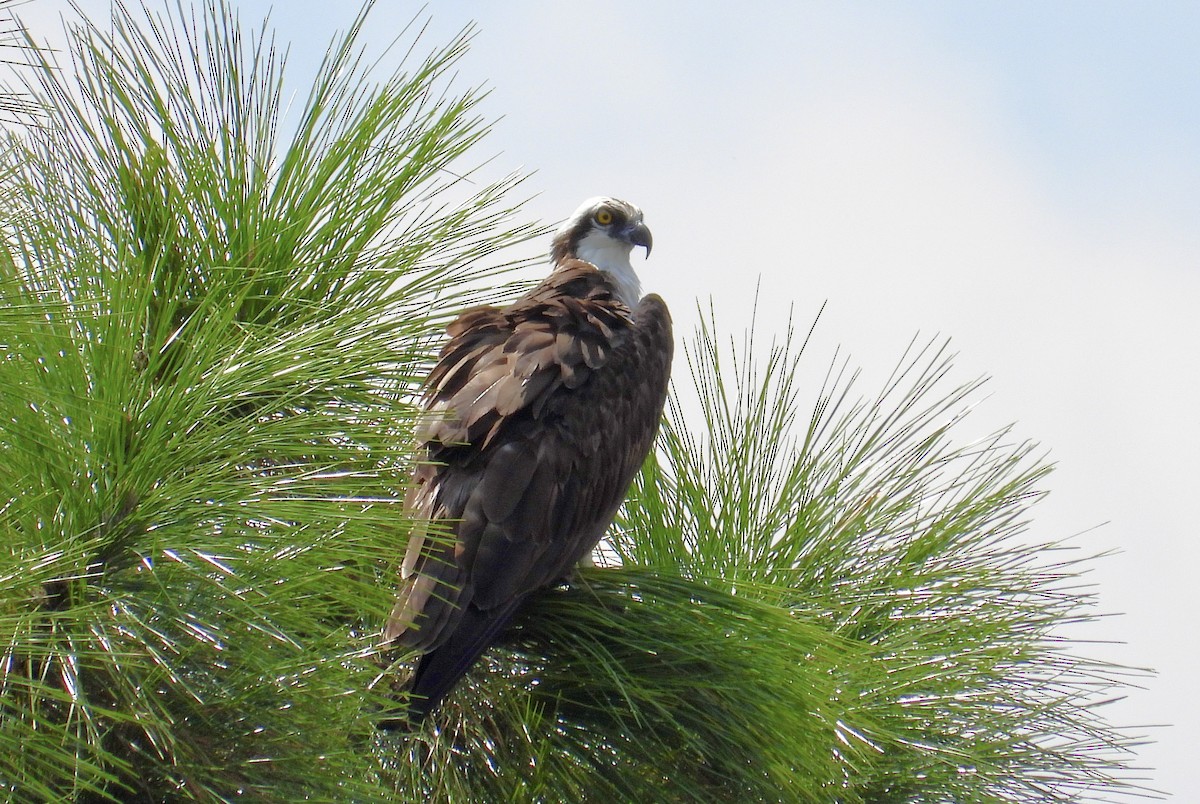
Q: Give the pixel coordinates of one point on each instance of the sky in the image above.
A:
(1020, 177)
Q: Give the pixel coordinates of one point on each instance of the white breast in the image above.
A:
(612, 256)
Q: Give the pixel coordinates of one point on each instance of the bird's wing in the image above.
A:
(546, 411)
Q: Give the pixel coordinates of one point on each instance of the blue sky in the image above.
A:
(1097, 92)
(1023, 177)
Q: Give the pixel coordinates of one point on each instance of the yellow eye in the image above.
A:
(604, 217)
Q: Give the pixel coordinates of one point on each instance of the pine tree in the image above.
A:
(213, 322)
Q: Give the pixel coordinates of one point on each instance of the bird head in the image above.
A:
(603, 231)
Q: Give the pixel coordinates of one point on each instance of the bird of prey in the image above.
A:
(541, 413)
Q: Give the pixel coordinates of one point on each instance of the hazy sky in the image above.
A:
(1023, 177)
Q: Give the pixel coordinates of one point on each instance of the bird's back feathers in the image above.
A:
(541, 414)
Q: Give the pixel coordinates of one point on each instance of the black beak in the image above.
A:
(640, 236)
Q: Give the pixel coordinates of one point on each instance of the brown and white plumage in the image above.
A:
(543, 413)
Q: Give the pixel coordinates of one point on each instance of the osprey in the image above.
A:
(541, 414)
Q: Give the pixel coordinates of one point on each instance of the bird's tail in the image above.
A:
(441, 669)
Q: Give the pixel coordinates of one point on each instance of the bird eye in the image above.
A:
(604, 217)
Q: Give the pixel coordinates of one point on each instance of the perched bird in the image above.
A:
(541, 413)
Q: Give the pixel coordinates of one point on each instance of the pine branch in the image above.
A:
(211, 324)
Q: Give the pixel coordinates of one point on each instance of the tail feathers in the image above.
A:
(440, 670)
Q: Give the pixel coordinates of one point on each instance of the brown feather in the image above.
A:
(541, 414)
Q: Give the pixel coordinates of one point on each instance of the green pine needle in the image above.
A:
(213, 320)
(210, 331)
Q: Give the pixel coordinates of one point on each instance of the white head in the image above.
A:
(603, 231)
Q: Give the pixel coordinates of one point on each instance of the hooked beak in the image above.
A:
(640, 236)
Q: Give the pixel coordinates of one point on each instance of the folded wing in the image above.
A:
(541, 415)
